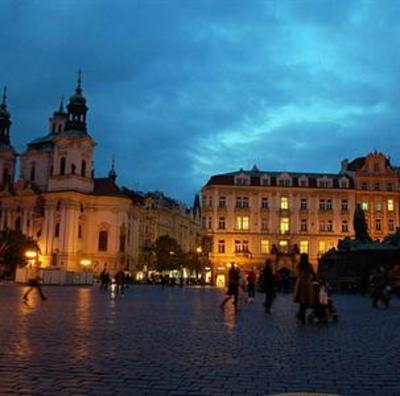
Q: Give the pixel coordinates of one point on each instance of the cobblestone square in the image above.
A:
(179, 342)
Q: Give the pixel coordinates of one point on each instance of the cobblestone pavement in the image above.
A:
(178, 342)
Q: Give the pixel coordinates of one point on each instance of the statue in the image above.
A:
(360, 225)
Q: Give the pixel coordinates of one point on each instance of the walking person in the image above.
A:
(104, 280)
(304, 289)
(120, 282)
(34, 283)
(394, 280)
(233, 286)
(268, 284)
(251, 286)
(379, 288)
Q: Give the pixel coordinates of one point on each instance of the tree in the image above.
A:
(193, 262)
(169, 253)
(13, 245)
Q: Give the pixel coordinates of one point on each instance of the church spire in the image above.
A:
(5, 120)
(113, 174)
(77, 109)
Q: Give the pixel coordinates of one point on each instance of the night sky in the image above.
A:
(181, 90)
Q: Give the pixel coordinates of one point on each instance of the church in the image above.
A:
(77, 218)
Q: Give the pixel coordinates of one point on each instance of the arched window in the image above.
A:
(103, 241)
(83, 168)
(18, 224)
(80, 231)
(57, 231)
(60, 128)
(73, 168)
(33, 173)
(62, 166)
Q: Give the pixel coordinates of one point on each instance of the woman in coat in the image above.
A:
(304, 290)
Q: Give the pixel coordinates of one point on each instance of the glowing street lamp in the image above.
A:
(86, 262)
(199, 250)
(30, 254)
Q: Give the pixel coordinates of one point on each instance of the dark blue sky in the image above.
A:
(180, 90)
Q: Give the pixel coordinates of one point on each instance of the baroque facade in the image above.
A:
(253, 215)
(75, 217)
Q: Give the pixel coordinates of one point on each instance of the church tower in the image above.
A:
(7, 153)
(73, 147)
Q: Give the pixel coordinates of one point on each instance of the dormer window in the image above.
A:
(242, 180)
(284, 180)
(303, 181)
(343, 182)
(325, 182)
(265, 180)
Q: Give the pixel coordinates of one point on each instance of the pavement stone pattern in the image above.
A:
(177, 341)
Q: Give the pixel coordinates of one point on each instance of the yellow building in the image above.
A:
(253, 215)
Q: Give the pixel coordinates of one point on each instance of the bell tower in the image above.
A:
(7, 153)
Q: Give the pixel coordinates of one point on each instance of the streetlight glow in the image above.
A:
(86, 262)
(30, 254)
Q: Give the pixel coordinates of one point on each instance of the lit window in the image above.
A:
(378, 205)
(265, 246)
(284, 225)
(242, 222)
(364, 205)
(221, 223)
(322, 247)
(221, 246)
(304, 247)
(284, 246)
(390, 205)
(345, 226)
(284, 203)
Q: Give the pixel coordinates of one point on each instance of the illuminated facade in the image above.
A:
(75, 217)
(253, 215)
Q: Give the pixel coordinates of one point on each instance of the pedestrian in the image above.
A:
(380, 288)
(304, 289)
(394, 280)
(251, 286)
(120, 282)
(233, 286)
(104, 279)
(34, 283)
(268, 285)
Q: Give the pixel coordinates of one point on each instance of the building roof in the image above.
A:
(106, 186)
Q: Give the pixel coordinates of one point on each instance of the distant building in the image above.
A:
(252, 215)
(75, 217)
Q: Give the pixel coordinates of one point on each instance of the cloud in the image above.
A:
(182, 90)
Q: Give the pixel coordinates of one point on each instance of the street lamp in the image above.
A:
(31, 256)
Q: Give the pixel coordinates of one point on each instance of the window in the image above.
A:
(345, 226)
(18, 224)
(238, 246)
(203, 222)
(58, 207)
(329, 226)
(328, 204)
(344, 205)
(222, 202)
(390, 205)
(103, 241)
(57, 230)
(80, 231)
(33, 173)
(264, 203)
(210, 202)
(364, 205)
(245, 246)
(209, 223)
(344, 184)
(221, 223)
(122, 242)
(378, 205)
(265, 181)
(83, 168)
(390, 187)
(264, 246)
(364, 186)
(284, 182)
(73, 169)
(284, 225)
(322, 226)
(303, 225)
(378, 225)
(303, 182)
(304, 247)
(62, 165)
(284, 203)
(264, 224)
(284, 246)
(376, 187)
(303, 203)
(322, 247)
(221, 246)
(242, 181)
(391, 225)
(242, 222)
(242, 202)
(322, 204)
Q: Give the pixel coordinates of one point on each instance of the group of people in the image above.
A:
(121, 281)
(309, 293)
